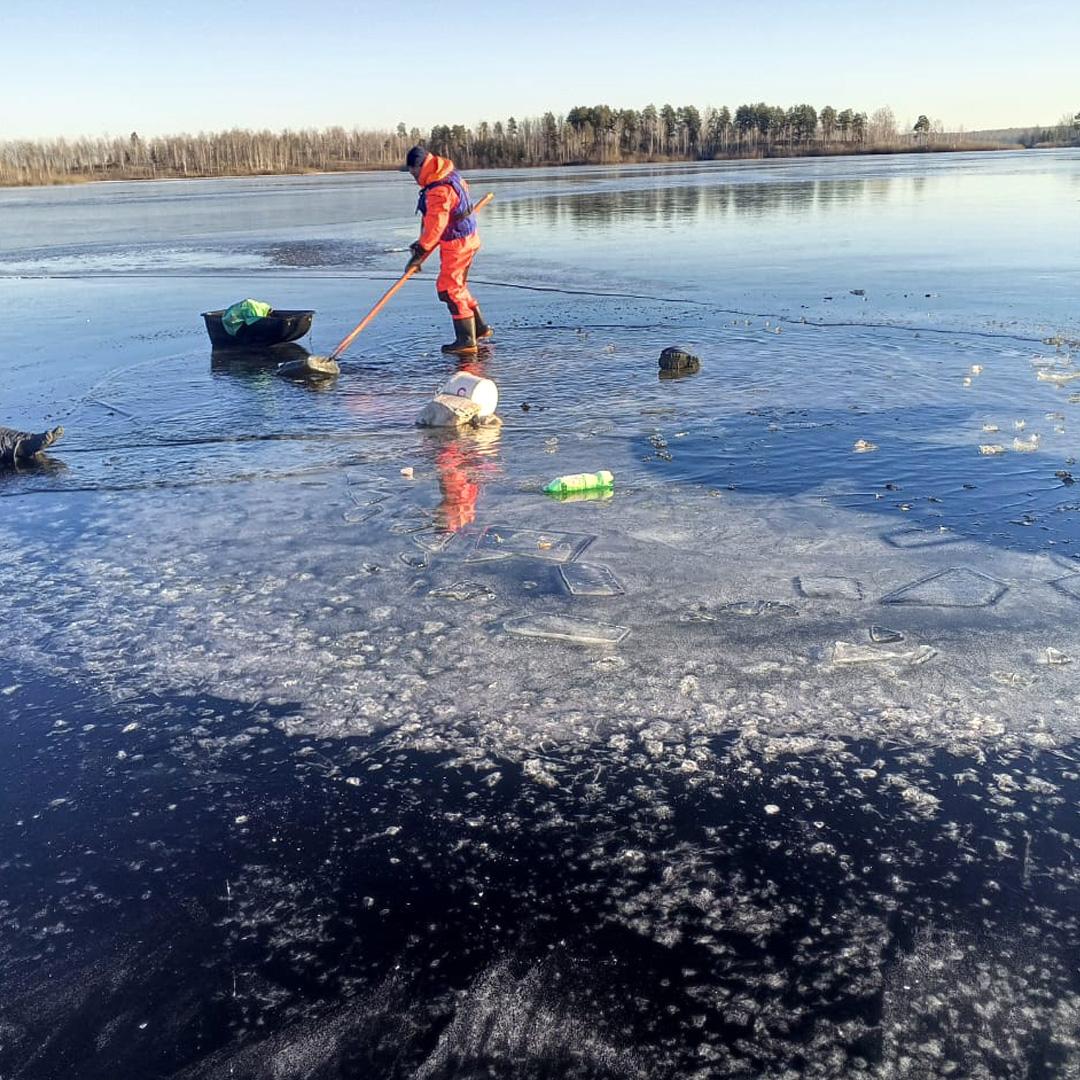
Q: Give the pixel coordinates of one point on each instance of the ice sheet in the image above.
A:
(280, 794)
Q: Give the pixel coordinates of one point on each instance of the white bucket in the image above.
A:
(476, 389)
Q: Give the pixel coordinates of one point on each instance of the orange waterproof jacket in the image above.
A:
(440, 202)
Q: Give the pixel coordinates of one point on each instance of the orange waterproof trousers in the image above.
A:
(452, 285)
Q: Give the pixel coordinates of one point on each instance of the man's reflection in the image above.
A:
(465, 461)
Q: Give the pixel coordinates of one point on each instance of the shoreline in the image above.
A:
(138, 176)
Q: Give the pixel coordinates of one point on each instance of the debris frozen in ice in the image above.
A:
(463, 590)
(608, 665)
(920, 538)
(435, 540)
(1011, 678)
(882, 635)
(956, 587)
(762, 667)
(534, 769)
(498, 541)
(590, 579)
(1053, 657)
(755, 608)
(829, 588)
(566, 628)
(357, 515)
(847, 652)
(698, 613)
(414, 561)
(411, 525)
(365, 496)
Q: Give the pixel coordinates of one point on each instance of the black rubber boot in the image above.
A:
(464, 337)
(483, 331)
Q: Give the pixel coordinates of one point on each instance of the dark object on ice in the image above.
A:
(858, 292)
(675, 359)
(310, 367)
(21, 445)
(882, 635)
(276, 328)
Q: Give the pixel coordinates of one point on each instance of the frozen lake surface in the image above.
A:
(764, 766)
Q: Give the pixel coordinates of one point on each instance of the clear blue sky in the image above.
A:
(95, 67)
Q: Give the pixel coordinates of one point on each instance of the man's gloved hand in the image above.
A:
(417, 258)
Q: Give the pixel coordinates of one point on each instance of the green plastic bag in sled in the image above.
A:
(244, 313)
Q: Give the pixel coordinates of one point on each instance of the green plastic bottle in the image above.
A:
(580, 482)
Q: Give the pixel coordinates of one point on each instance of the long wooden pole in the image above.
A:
(346, 342)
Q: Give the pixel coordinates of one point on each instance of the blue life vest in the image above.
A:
(462, 219)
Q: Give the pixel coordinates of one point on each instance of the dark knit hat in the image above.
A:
(415, 156)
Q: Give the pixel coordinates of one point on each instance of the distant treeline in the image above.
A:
(1066, 132)
(586, 134)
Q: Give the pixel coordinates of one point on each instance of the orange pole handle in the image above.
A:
(346, 342)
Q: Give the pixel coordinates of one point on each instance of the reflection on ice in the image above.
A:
(250, 360)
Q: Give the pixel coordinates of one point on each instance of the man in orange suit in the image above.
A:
(449, 224)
